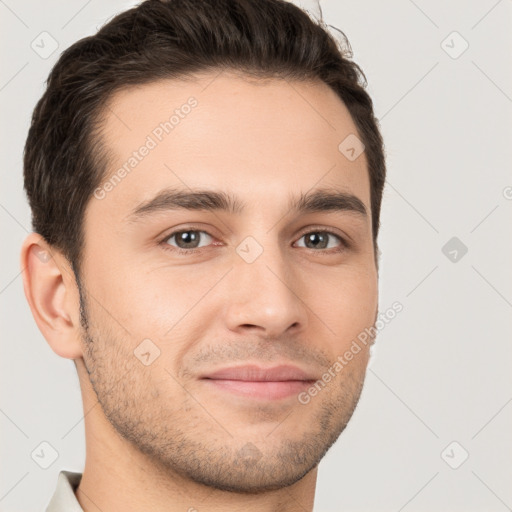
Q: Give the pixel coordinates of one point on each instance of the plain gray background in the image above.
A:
(438, 387)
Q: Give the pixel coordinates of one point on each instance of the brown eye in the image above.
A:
(186, 239)
(322, 240)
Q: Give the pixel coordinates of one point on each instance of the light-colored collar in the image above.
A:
(64, 499)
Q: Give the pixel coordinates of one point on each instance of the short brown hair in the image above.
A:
(64, 160)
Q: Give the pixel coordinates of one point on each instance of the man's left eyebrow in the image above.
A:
(318, 200)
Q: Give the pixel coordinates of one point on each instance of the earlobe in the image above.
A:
(50, 290)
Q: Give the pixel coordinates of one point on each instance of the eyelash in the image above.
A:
(186, 252)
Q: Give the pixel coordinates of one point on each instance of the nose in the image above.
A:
(265, 297)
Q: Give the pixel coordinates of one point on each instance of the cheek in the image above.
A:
(158, 305)
(346, 302)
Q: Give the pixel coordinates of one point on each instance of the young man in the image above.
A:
(205, 179)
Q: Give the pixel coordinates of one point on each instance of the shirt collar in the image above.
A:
(64, 499)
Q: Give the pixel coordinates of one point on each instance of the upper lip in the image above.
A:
(255, 373)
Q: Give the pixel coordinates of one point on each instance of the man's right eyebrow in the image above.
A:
(319, 200)
(182, 199)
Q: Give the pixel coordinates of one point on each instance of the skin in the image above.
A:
(157, 437)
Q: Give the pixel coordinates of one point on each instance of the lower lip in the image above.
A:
(267, 390)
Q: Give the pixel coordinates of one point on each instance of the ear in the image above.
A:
(52, 294)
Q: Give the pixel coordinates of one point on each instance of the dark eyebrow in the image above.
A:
(320, 200)
(323, 200)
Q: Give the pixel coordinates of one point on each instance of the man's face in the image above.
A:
(260, 286)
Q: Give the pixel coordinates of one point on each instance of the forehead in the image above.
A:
(259, 139)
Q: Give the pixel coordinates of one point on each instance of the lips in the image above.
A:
(254, 382)
(253, 373)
